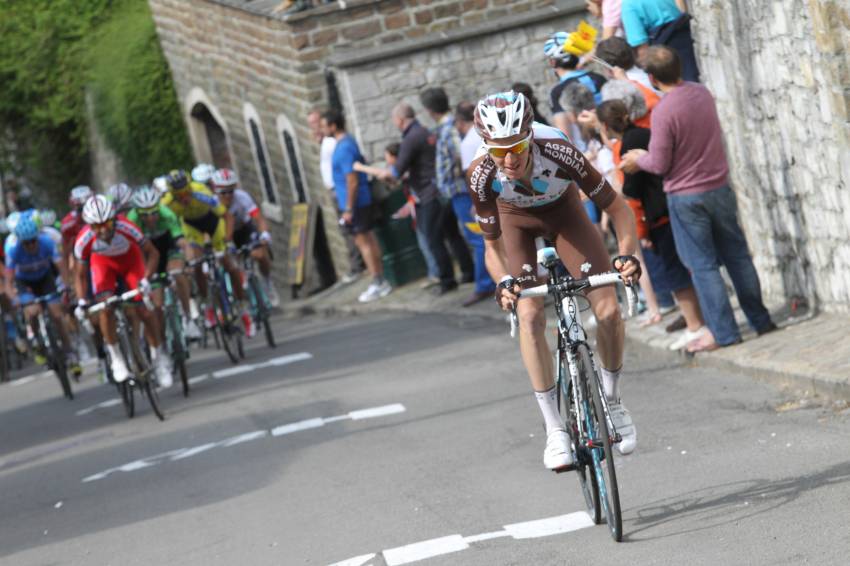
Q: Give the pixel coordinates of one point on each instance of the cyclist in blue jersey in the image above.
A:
(31, 268)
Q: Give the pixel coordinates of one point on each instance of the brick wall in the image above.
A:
(781, 76)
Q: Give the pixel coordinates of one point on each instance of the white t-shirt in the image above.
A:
(468, 147)
(326, 154)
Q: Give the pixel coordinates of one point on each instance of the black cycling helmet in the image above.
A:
(177, 180)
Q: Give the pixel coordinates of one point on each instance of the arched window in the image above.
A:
(272, 204)
(208, 130)
(292, 155)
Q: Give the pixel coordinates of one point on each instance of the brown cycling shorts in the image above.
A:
(563, 222)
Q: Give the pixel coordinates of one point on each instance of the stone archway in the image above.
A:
(208, 131)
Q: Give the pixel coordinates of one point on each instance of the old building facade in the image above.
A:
(247, 75)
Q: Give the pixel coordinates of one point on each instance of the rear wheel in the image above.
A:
(224, 326)
(144, 374)
(56, 358)
(602, 453)
(262, 311)
(179, 352)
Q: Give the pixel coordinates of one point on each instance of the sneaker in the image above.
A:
(274, 298)
(120, 373)
(351, 277)
(557, 454)
(191, 329)
(163, 372)
(250, 329)
(623, 423)
(687, 337)
(374, 292)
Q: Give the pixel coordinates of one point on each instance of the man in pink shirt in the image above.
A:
(686, 149)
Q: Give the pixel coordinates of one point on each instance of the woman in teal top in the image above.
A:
(661, 22)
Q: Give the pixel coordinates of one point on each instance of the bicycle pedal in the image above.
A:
(567, 468)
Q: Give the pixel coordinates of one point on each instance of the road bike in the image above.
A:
(258, 300)
(581, 400)
(48, 341)
(141, 371)
(224, 324)
(175, 339)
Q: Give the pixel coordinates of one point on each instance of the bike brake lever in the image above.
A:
(632, 300)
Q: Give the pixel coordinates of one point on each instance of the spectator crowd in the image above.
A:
(634, 106)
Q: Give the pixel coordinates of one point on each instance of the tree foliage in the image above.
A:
(52, 52)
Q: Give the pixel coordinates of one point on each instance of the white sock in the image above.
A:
(549, 408)
(611, 384)
(114, 352)
(156, 353)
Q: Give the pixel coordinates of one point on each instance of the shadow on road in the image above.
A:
(712, 506)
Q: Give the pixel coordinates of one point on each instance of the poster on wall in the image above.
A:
(300, 243)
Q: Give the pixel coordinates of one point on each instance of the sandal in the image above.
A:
(702, 344)
(650, 319)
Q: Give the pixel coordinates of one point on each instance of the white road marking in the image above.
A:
(220, 374)
(199, 378)
(236, 370)
(550, 526)
(283, 360)
(455, 543)
(424, 549)
(247, 437)
(183, 453)
(486, 536)
(295, 427)
(356, 561)
(23, 380)
(102, 405)
(188, 453)
(376, 412)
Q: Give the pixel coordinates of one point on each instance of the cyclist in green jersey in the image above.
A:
(162, 227)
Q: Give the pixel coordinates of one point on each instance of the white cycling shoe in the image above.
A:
(623, 423)
(191, 329)
(557, 454)
(163, 372)
(120, 372)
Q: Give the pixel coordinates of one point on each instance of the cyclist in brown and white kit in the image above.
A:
(524, 184)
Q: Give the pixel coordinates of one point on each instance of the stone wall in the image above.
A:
(470, 64)
(235, 52)
(780, 72)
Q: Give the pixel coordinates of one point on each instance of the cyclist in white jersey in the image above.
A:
(523, 184)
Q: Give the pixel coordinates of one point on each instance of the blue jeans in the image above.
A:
(707, 234)
(422, 240)
(462, 205)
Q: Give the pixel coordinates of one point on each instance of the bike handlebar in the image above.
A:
(123, 297)
(574, 285)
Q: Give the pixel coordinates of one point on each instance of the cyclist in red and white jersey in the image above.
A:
(524, 184)
(110, 248)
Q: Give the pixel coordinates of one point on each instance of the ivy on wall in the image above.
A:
(51, 53)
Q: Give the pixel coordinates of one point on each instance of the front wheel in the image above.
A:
(602, 452)
(56, 359)
(568, 400)
(224, 325)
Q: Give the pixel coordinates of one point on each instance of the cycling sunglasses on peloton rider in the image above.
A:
(148, 211)
(224, 192)
(503, 150)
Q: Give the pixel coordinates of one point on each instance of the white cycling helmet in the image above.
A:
(48, 217)
(121, 195)
(224, 178)
(203, 173)
(12, 220)
(161, 184)
(79, 195)
(503, 115)
(98, 210)
(146, 197)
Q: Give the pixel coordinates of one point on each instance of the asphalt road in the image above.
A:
(385, 439)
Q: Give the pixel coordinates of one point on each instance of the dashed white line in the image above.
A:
(220, 374)
(424, 549)
(23, 380)
(356, 561)
(102, 405)
(295, 427)
(550, 526)
(486, 536)
(183, 453)
(455, 543)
